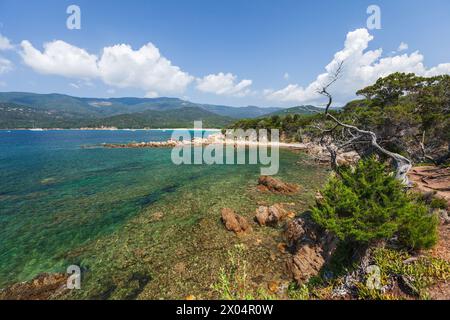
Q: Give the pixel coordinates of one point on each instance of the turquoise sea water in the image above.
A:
(55, 194)
(61, 194)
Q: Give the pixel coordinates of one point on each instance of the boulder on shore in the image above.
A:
(267, 183)
(270, 215)
(44, 287)
(234, 222)
(311, 248)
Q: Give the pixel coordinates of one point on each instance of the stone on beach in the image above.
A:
(270, 215)
(234, 222)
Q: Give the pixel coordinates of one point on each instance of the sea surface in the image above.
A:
(61, 191)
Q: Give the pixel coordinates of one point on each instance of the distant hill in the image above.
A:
(175, 118)
(16, 116)
(98, 107)
(28, 110)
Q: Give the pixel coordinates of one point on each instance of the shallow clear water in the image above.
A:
(56, 195)
(60, 195)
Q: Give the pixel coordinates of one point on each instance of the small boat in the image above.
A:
(36, 129)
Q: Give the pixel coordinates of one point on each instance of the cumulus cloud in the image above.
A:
(224, 84)
(362, 67)
(60, 58)
(5, 44)
(5, 65)
(118, 66)
(402, 47)
(121, 66)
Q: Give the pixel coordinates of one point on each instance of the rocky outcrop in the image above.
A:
(234, 222)
(311, 248)
(271, 215)
(432, 179)
(322, 155)
(443, 216)
(267, 183)
(44, 287)
(347, 158)
(137, 145)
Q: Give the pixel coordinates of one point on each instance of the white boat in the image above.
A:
(36, 129)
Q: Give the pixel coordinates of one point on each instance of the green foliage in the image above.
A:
(417, 227)
(438, 203)
(293, 127)
(422, 272)
(298, 292)
(366, 204)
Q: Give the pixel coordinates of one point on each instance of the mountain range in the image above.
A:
(28, 110)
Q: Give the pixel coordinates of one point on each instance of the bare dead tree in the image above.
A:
(353, 135)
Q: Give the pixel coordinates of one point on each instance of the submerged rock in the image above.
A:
(44, 287)
(267, 183)
(271, 215)
(234, 222)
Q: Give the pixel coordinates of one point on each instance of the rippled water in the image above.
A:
(56, 195)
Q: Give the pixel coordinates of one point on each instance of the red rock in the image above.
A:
(312, 247)
(267, 183)
(44, 287)
(270, 215)
(234, 222)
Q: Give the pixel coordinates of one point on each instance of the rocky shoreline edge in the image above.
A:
(316, 151)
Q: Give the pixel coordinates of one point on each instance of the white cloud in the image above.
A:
(119, 66)
(5, 44)
(286, 76)
(402, 47)
(5, 65)
(60, 58)
(224, 84)
(362, 67)
(122, 67)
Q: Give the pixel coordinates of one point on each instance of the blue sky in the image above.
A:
(247, 52)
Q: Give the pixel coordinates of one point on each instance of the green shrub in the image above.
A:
(366, 203)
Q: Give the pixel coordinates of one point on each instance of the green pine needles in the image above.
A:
(366, 204)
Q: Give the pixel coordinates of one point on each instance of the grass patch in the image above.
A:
(233, 282)
(422, 273)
